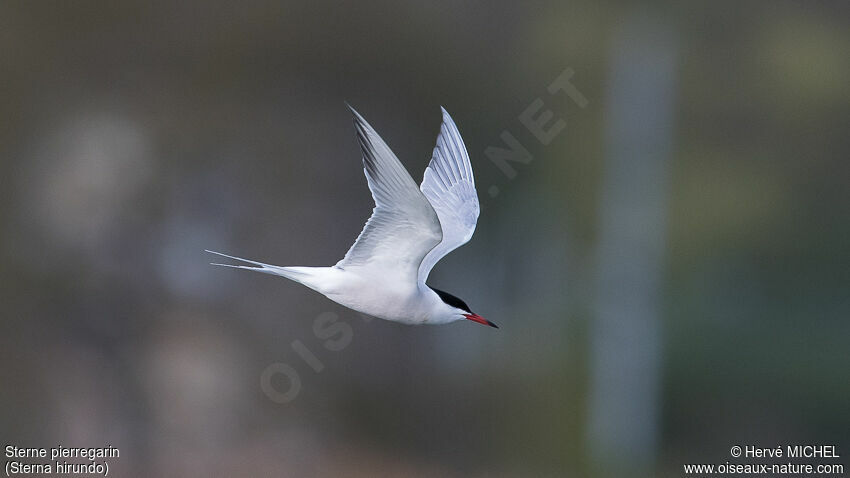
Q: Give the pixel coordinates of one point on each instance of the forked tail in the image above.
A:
(302, 275)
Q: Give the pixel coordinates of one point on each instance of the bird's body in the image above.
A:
(383, 274)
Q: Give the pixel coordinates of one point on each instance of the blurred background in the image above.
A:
(669, 262)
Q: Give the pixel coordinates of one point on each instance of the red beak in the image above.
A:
(480, 320)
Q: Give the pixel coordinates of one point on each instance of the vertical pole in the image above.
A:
(626, 332)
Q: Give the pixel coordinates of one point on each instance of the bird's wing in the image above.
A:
(450, 188)
(403, 226)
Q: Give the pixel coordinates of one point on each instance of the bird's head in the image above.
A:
(456, 309)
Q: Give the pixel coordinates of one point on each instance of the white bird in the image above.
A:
(411, 228)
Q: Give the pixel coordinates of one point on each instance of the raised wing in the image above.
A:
(450, 188)
(403, 226)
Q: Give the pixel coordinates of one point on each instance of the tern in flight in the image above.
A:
(411, 228)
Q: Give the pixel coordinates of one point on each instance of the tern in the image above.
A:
(411, 228)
